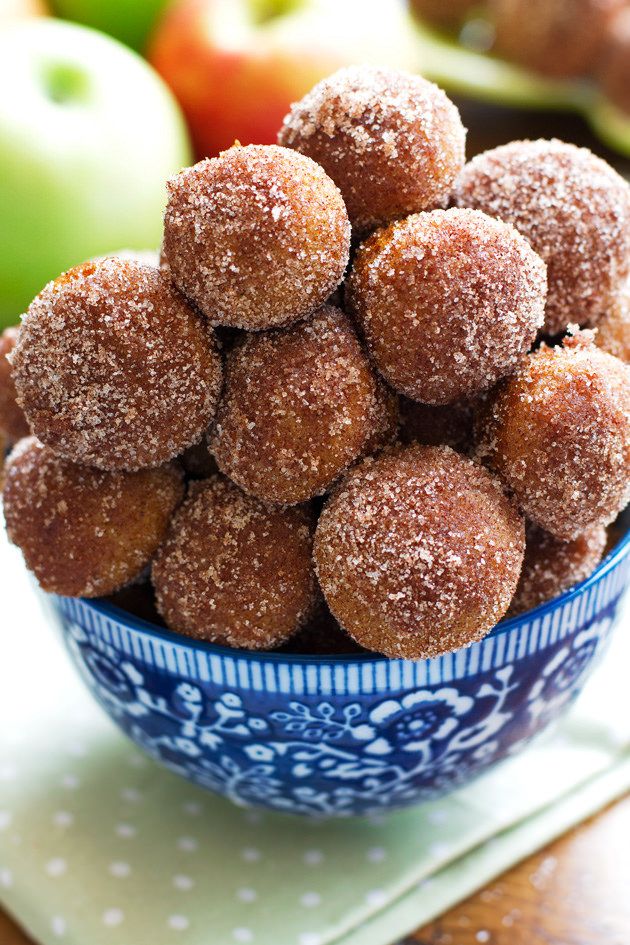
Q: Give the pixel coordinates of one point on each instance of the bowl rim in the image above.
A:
(139, 624)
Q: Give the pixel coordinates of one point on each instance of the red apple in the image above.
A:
(236, 65)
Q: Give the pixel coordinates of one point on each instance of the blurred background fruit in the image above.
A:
(614, 66)
(558, 38)
(130, 21)
(88, 135)
(89, 132)
(17, 9)
(447, 14)
(562, 55)
(236, 65)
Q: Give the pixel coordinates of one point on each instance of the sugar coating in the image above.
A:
(85, 532)
(552, 566)
(392, 142)
(448, 301)
(114, 369)
(438, 425)
(256, 237)
(299, 406)
(559, 435)
(148, 257)
(234, 571)
(560, 38)
(12, 420)
(613, 330)
(418, 552)
(572, 207)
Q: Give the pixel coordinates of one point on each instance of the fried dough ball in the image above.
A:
(559, 435)
(85, 532)
(12, 420)
(614, 66)
(559, 38)
(448, 301)
(613, 331)
(419, 552)
(437, 425)
(391, 141)
(448, 14)
(299, 406)
(114, 369)
(234, 571)
(552, 566)
(257, 237)
(572, 207)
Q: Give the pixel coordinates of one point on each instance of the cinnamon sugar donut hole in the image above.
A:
(12, 420)
(299, 406)
(85, 532)
(234, 571)
(257, 237)
(392, 141)
(559, 38)
(448, 302)
(551, 566)
(559, 435)
(114, 369)
(613, 330)
(418, 552)
(572, 207)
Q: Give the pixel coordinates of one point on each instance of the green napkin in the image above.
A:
(99, 846)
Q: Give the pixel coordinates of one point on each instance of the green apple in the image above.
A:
(130, 21)
(88, 135)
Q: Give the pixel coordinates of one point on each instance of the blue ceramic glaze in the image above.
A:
(345, 735)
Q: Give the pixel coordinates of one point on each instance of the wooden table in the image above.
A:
(575, 892)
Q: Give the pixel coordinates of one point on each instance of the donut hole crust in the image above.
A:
(392, 142)
(448, 302)
(235, 571)
(572, 207)
(299, 406)
(558, 433)
(551, 566)
(12, 420)
(418, 552)
(114, 369)
(257, 237)
(85, 532)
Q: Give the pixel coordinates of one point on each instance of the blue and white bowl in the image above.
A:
(342, 736)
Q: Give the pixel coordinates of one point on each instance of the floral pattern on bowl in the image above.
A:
(341, 736)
